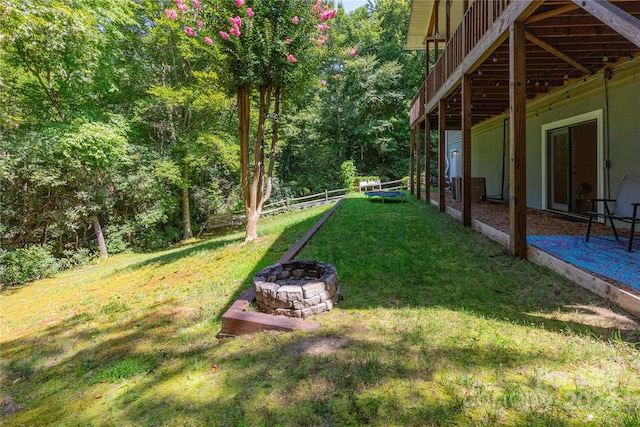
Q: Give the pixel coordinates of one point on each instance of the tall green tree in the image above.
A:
(54, 48)
(360, 112)
(185, 110)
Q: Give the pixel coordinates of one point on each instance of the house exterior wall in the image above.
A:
(622, 123)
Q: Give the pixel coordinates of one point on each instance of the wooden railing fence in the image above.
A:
(327, 196)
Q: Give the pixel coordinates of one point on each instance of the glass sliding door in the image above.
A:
(559, 169)
(572, 167)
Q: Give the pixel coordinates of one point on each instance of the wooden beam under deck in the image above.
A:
(418, 158)
(442, 152)
(517, 141)
(533, 39)
(623, 23)
(466, 150)
(427, 158)
(412, 141)
(550, 14)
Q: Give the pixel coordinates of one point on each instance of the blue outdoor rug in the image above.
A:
(601, 255)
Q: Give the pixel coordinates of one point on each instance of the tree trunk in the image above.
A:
(243, 137)
(252, 224)
(100, 236)
(272, 151)
(186, 211)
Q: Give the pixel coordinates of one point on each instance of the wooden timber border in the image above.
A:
(623, 299)
(237, 321)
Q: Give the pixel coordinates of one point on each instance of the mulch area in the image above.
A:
(539, 223)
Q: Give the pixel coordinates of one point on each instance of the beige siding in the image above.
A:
(584, 97)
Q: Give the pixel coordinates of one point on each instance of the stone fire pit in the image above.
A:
(296, 288)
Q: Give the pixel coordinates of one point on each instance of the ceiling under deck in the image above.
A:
(565, 44)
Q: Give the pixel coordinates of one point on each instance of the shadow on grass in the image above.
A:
(411, 255)
(335, 377)
(170, 256)
(46, 365)
(357, 370)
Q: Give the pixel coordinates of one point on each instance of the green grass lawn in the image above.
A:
(438, 326)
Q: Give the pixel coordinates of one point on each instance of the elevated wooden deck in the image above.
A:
(566, 41)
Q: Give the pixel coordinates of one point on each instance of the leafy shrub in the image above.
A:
(348, 173)
(115, 241)
(27, 264)
(76, 257)
(400, 168)
(155, 239)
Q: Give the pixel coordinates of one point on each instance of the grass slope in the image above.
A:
(438, 326)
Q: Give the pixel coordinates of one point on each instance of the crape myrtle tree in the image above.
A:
(268, 48)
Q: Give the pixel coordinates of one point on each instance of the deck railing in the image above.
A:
(477, 20)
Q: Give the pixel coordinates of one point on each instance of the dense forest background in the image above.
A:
(112, 118)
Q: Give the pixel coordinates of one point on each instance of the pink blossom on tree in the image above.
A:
(336, 76)
(249, 75)
(354, 52)
(318, 7)
(329, 14)
(171, 14)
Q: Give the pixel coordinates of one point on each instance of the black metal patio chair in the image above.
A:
(625, 208)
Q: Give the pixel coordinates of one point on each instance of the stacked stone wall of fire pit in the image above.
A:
(297, 288)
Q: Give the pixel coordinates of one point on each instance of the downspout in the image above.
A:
(608, 73)
(504, 155)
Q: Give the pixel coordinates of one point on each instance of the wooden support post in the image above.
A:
(442, 153)
(427, 42)
(436, 31)
(411, 161)
(418, 163)
(466, 150)
(517, 141)
(448, 21)
(427, 158)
